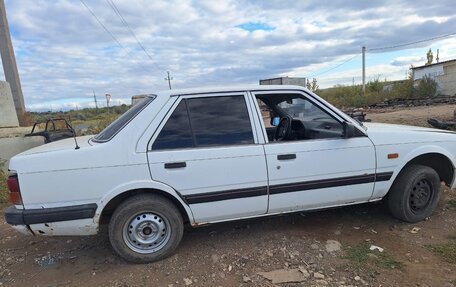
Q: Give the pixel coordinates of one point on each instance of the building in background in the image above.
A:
(444, 73)
(284, 81)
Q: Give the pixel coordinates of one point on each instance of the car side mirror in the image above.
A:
(349, 130)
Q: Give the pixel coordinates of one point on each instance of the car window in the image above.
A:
(207, 121)
(220, 121)
(309, 121)
(176, 133)
(110, 131)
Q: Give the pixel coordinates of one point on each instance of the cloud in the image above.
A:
(409, 60)
(63, 54)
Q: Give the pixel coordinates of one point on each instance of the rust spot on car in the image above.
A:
(198, 224)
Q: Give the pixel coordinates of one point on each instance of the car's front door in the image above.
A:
(315, 166)
(207, 150)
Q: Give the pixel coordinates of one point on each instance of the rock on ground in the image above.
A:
(284, 276)
(333, 246)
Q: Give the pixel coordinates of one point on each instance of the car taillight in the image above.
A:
(15, 192)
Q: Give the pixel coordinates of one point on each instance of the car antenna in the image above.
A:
(74, 137)
(75, 141)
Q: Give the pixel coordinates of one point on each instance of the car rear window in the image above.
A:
(116, 126)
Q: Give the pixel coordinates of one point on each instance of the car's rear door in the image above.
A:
(207, 150)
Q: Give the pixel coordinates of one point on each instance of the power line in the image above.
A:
(412, 43)
(125, 23)
(102, 25)
(334, 67)
(109, 32)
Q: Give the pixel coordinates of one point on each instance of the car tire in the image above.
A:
(145, 228)
(415, 193)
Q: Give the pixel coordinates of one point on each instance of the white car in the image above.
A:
(211, 155)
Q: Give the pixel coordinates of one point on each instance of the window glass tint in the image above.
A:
(176, 133)
(110, 131)
(220, 121)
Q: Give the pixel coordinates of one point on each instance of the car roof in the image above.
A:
(225, 89)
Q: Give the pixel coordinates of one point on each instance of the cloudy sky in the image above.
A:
(64, 54)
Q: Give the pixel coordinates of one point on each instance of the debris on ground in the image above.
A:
(285, 276)
(374, 247)
(443, 125)
(46, 261)
(415, 230)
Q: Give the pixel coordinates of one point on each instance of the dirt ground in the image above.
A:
(325, 248)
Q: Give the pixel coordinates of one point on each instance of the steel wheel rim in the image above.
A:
(146, 232)
(420, 196)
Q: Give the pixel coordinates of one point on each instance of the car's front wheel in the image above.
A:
(415, 193)
(145, 228)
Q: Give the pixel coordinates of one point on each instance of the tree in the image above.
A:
(430, 57)
(313, 86)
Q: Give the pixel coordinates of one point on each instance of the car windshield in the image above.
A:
(110, 131)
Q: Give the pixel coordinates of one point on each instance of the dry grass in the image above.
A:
(3, 187)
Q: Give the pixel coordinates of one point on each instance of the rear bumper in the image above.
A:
(16, 216)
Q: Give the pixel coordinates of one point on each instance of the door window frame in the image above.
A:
(250, 112)
(304, 95)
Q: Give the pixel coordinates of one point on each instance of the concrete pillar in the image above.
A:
(8, 117)
(9, 64)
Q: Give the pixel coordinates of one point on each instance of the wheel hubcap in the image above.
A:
(420, 196)
(146, 233)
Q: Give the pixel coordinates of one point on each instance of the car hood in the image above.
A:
(395, 134)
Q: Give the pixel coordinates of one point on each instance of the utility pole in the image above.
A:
(95, 100)
(169, 80)
(9, 65)
(364, 70)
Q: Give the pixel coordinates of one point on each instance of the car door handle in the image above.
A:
(170, 165)
(286, 156)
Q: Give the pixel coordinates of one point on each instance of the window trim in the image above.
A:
(163, 122)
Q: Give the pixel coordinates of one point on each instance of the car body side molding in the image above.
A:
(225, 194)
(284, 188)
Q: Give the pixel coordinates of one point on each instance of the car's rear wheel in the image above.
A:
(415, 193)
(145, 228)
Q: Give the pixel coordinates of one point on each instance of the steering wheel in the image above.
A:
(283, 129)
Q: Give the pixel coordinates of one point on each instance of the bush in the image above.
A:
(402, 89)
(352, 96)
(101, 124)
(427, 87)
(3, 187)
